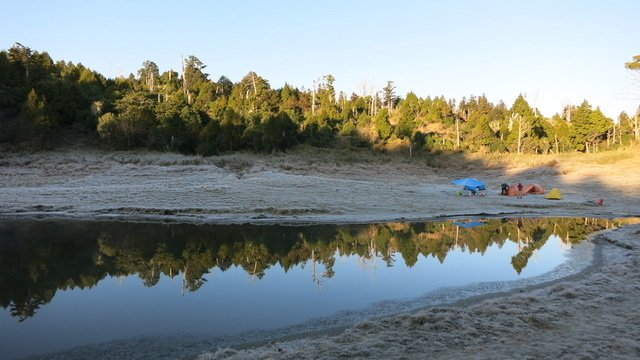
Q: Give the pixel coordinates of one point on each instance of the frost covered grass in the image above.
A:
(306, 184)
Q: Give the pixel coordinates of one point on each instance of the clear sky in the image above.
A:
(554, 52)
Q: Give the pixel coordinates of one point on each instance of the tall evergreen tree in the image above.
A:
(588, 126)
(149, 75)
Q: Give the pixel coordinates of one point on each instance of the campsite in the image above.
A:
(336, 188)
(211, 180)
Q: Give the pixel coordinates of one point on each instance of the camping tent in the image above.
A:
(554, 194)
(470, 184)
(526, 189)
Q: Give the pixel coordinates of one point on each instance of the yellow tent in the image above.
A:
(554, 194)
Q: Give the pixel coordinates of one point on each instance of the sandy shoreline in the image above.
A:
(590, 315)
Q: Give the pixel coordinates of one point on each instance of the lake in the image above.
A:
(70, 283)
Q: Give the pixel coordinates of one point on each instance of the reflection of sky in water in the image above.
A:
(232, 301)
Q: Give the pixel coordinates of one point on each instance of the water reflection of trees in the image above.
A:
(37, 258)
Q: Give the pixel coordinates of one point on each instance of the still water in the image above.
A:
(70, 283)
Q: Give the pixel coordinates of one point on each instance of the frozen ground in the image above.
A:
(286, 188)
(591, 314)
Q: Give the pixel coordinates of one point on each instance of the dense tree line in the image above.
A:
(188, 112)
(37, 258)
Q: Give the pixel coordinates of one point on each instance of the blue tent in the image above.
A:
(468, 224)
(470, 184)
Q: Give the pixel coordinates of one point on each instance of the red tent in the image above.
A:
(526, 189)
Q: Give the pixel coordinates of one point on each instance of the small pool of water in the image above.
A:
(70, 283)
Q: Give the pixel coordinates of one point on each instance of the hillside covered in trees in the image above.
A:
(44, 103)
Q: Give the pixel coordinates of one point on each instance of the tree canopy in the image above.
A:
(43, 103)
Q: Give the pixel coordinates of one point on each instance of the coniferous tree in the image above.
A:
(588, 126)
(389, 95)
(149, 75)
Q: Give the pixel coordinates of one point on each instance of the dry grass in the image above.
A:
(564, 162)
(611, 157)
(308, 158)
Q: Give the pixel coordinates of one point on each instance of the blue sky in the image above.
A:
(554, 52)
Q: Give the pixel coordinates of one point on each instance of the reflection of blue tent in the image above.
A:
(470, 184)
(469, 224)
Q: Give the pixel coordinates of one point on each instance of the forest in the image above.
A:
(46, 103)
(40, 257)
